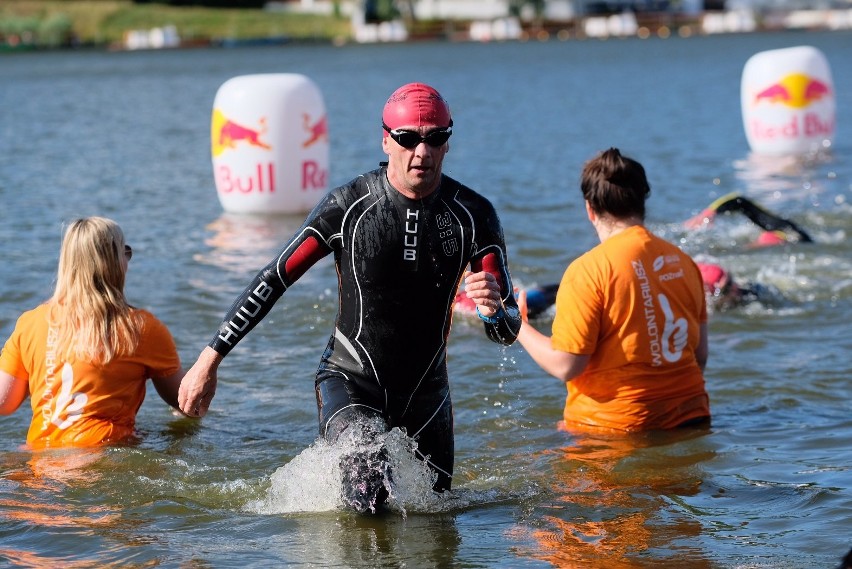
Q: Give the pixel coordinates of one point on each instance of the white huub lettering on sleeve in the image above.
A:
(250, 308)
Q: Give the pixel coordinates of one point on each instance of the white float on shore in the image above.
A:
(269, 143)
(788, 101)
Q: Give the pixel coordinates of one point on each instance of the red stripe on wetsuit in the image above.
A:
(490, 264)
(303, 258)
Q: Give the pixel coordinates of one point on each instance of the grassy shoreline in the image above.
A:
(104, 23)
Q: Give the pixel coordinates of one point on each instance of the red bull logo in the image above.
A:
(785, 111)
(316, 131)
(225, 134)
(796, 90)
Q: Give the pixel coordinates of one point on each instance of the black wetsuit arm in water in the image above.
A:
(735, 203)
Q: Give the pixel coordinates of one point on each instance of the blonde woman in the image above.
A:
(84, 356)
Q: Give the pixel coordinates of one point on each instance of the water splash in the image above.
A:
(313, 480)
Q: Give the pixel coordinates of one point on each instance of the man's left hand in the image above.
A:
(484, 290)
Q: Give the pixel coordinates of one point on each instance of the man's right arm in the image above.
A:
(564, 366)
(248, 309)
(199, 384)
(309, 245)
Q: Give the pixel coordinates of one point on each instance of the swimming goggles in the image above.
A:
(410, 139)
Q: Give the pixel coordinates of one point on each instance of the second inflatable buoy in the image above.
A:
(788, 101)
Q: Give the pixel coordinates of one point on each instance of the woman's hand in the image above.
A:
(522, 304)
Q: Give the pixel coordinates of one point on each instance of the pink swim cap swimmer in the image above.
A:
(415, 105)
(713, 275)
(770, 239)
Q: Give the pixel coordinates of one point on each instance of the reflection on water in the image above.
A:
(40, 497)
(783, 178)
(615, 499)
(245, 243)
(377, 541)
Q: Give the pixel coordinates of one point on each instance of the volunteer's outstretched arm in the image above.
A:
(564, 366)
(13, 391)
(168, 387)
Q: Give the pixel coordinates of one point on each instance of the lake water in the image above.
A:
(126, 135)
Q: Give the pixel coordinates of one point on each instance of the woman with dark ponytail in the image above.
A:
(630, 331)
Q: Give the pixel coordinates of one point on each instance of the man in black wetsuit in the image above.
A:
(403, 237)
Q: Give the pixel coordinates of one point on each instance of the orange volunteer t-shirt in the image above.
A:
(634, 303)
(77, 403)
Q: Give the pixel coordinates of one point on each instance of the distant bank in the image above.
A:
(122, 24)
(52, 24)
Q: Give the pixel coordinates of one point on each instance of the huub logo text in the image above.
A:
(230, 331)
(409, 251)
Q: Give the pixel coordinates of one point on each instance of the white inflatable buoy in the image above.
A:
(269, 142)
(788, 101)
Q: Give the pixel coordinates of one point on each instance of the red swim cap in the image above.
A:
(713, 275)
(770, 239)
(415, 105)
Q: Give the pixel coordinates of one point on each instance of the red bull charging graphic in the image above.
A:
(796, 90)
(316, 130)
(227, 135)
(788, 101)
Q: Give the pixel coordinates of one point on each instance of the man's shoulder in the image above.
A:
(450, 183)
(464, 194)
(361, 183)
(344, 195)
